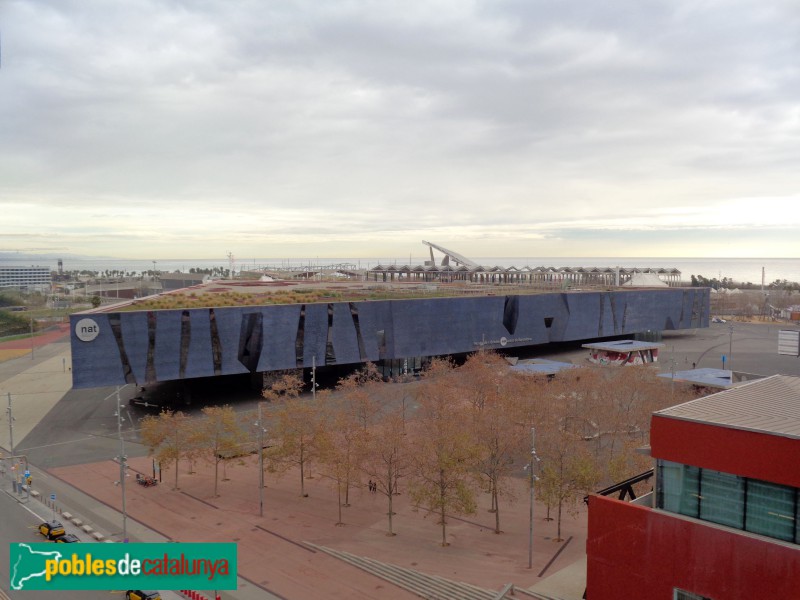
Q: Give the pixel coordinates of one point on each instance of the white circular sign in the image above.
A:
(503, 341)
(86, 330)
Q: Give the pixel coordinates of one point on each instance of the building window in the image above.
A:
(684, 595)
(771, 510)
(722, 498)
(757, 506)
(679, 488)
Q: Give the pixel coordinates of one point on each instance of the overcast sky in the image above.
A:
(193, 128)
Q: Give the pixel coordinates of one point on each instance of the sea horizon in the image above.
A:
(741, 270)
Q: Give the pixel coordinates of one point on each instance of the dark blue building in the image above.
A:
(115, 348)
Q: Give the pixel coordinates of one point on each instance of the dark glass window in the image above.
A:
(758, 506)
(722, 498)
(771, 510)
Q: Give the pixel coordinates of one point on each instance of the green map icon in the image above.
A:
(29, 563)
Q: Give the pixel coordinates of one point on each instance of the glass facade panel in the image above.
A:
(758, 506)
(678, 487)
(722, 498)
(771, 510)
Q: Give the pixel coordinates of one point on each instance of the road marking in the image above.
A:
(59, 443)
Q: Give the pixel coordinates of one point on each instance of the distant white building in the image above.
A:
(25, 278)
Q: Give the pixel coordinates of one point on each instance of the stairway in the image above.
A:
(430, 587)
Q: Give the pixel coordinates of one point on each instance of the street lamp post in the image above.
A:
(314, 377)
(122, 468)
(730, 348)
(534, 458)
(260, 463)
(10, 427)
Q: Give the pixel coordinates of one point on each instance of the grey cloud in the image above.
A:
(429, 112)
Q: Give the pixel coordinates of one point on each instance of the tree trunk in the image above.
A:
(442, 507)
(558, 529)
(496, 510)
(176, 471)
(216, 476)
(444, 527)
(302, 471)
(390, 491)
(339, 494)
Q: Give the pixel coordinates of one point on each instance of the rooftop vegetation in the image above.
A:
(211, 299)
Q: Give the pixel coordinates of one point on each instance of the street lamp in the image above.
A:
(122, 468)
(534, 459)
(261, 431)
(314, 377)
(10, 427)
(730, 348)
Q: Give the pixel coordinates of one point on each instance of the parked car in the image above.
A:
(140, 595)
(51, 529)
(67, 538)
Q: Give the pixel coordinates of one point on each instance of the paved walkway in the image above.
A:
(274, 558)
(35, 382)
(273, 554)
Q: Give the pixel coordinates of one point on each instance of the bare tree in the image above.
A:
(297, 425)
(289, 384)
(386, 458)
(168, 437)
(569, 469)
(568, 472)
(218, 437)
(445, 451)
(358, 392)
(339, 445)
(496, 426)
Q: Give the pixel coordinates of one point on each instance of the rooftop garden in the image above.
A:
(221, 296)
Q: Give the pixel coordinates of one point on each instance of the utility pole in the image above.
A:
(314, 377)
(730, 349)
(32, 337)
(534, 458)
(10, 427)
(260, 463)
(122, 469)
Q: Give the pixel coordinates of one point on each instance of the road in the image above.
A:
(19, 523)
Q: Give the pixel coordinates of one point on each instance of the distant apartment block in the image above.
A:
(25, 278)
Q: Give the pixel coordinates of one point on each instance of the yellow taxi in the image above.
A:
(51, 529)
(140, 595)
